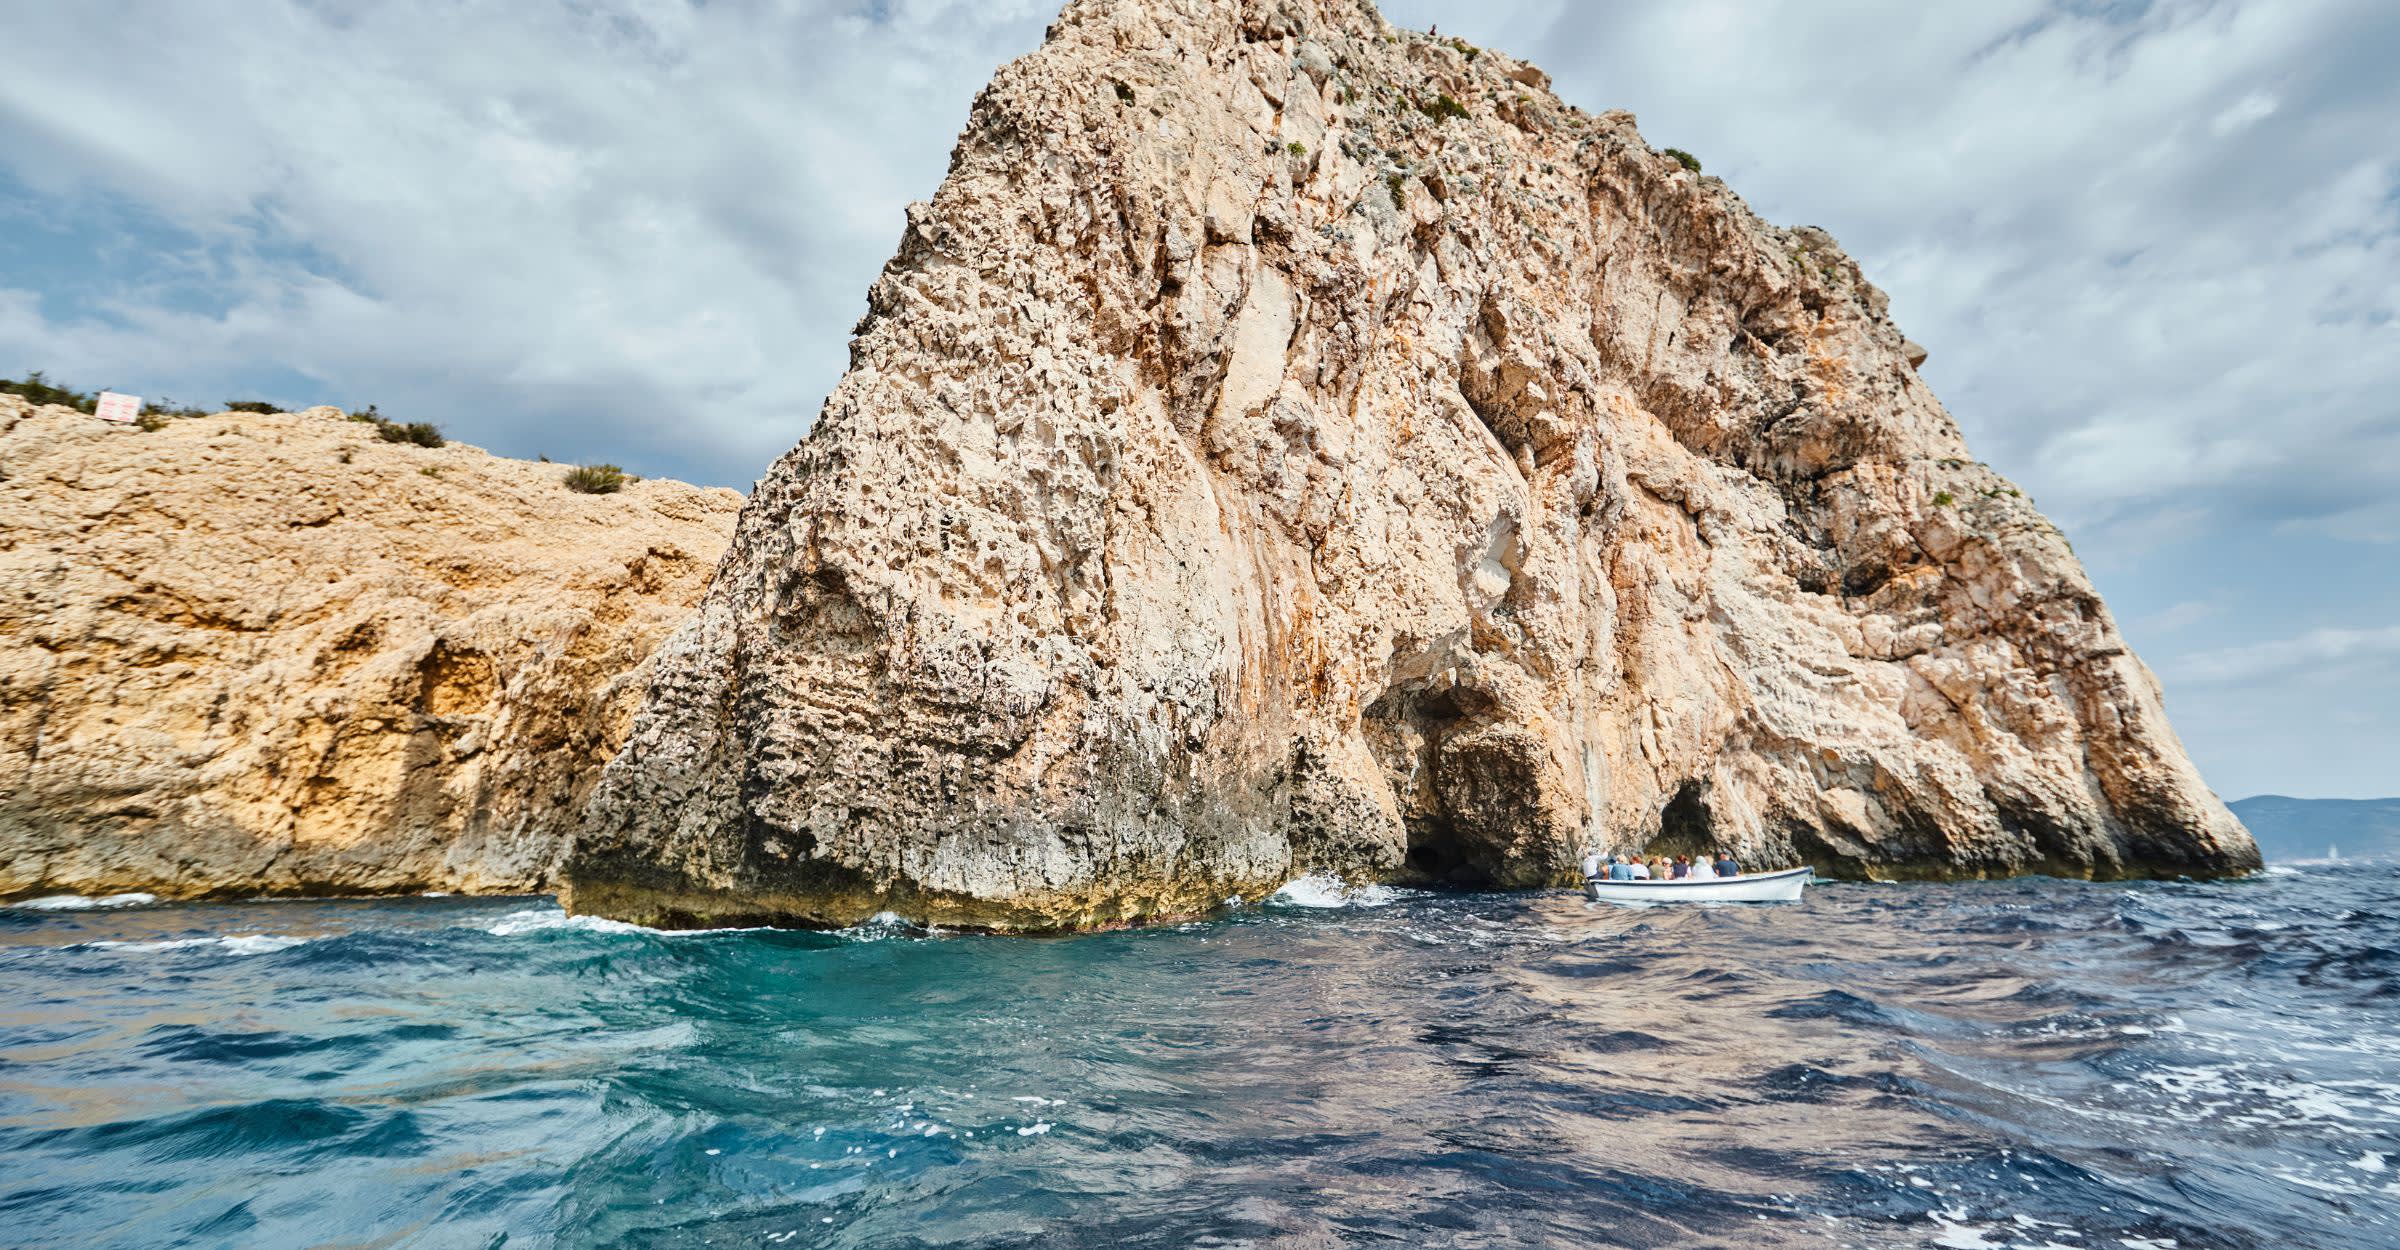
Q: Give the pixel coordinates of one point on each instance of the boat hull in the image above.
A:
(1758, 887)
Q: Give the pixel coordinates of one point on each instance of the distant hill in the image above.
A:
(2289, 828)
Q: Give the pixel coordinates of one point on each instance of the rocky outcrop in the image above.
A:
(1290, 443)
(250, 654)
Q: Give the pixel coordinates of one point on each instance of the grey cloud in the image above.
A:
(592, 230)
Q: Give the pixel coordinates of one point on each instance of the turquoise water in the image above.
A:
(2014, 1064)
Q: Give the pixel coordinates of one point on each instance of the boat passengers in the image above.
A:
(1658, 867)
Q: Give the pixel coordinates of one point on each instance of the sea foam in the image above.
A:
(1320, 890)
(231, 944)
(547, 919)
(79, 902)
(551, 919)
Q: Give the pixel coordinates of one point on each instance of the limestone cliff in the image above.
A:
(1286, 442)
(250, 654)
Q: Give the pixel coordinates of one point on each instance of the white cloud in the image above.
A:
(2332, 653)
(2185, 614)
(2254, 106)
(633, 225)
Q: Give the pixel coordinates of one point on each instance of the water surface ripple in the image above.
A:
(2026, 1063)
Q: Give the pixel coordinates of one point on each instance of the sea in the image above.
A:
(2026, 1063)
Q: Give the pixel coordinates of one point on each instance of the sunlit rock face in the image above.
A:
(272, 653)
(1289, 443)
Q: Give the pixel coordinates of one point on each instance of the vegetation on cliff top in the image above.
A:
(595, 479)
(37, 388)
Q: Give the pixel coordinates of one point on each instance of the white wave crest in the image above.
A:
(881, 926)
(549, 919)
(546, 919)
(1320, 890)
(231, 944)
(78, 902)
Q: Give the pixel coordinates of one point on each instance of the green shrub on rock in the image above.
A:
(1442, 108)
(36, 389)
(422, 433)
(595, 479)
(1685, 159)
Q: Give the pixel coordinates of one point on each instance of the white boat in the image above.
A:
(1751, 887)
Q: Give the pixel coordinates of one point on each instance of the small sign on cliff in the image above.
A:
(122, 409)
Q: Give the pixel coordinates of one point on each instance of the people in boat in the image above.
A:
(1701, 871)
(1593, 865)
(1725, 865)
(1617, 870)
(1640, 870)
(1683, 867)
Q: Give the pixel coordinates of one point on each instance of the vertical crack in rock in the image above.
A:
(1290, 443)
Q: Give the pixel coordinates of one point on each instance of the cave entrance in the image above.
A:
(1685, 827)
(1439, 857)
(1413, 731)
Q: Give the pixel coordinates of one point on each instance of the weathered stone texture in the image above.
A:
(258, 654)
(1286, 442)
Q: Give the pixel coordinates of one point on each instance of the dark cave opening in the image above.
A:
(1408, 726)
(1438, 859)
(1685, 827)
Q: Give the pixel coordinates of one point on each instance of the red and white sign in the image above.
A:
(119, 408)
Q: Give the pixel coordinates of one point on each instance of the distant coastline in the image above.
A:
(2307, 829)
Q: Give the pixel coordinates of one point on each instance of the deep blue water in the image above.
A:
(2027, 1063)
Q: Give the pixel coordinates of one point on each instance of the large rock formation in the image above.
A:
(1286, 442)
(249, 654)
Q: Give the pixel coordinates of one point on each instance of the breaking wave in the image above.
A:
(1318, 890)
(79, 902)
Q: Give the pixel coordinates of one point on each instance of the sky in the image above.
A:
(2153, 248)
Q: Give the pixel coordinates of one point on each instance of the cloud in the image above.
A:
(2154, 246)
(2330, 652)
(635, 228)
(2189, 612)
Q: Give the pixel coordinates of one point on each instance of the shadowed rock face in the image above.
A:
(1289, 443)
(272, 654)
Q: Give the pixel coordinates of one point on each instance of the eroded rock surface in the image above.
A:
(250, 654)
(1287, 442)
